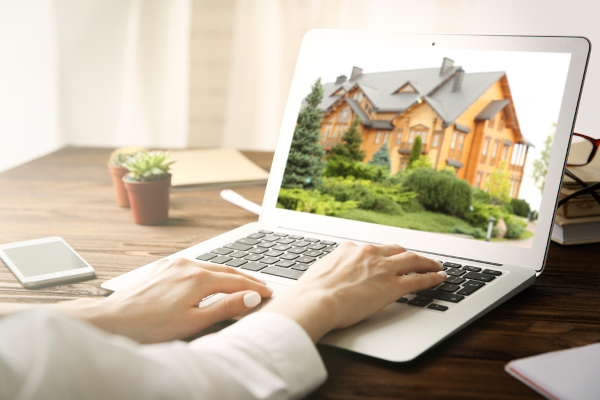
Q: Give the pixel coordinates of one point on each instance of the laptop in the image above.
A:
(448, 128)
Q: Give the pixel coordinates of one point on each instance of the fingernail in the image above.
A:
(441, 264)
(443, 273)
(268, 287)
(251, 299)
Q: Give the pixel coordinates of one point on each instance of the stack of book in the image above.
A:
(578, 221)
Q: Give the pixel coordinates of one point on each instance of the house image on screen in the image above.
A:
(465, 120)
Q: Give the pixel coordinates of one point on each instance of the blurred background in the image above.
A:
(209, 73)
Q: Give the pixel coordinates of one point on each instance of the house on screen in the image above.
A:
(465, 120)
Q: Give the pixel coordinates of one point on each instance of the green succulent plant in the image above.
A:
(150, 166)
(119, 157)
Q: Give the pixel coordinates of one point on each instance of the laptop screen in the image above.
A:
(451, 141)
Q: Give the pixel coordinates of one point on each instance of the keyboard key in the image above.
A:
(438, 295)
(471, 268)
(253, 257)
(283, 272)
(452, 265)
(420, 301)
(491, 272)
(285, 263)
(455, 272)
(285, 241)
(254, 266)
(238, 254)
(281, 247)
(312, 240)
(480, 277)
(300, 267)
(301, 243)
(222, 251)
(437, 307)
(402, 300)
(220, 259)
(296, 237)
(328, 243)
(236, 262)
(470, 287)
(257, 235)
(313, 253)
(280, 234)
(289, 256)
(306, 260)
(456, 280)
(206, 257)
(317, 246)
(269, 260)
(249, 241)
(265, 232)
(257, 250)
(297, 250)
(270, 238)
(266, 245)
(239, 246)
(273, 253)
(448, 287)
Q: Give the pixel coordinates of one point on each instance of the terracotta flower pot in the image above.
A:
(149, 201)
(117, 174)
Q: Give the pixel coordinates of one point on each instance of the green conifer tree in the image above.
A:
(349, 148)
(415, 151)
(304, 168)
(382, 157)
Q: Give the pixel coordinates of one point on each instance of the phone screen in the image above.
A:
(44, 258)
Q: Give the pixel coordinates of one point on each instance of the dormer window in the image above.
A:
(407, 88)
(344, 115)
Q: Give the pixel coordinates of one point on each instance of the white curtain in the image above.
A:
(124, 71)
(267, 39)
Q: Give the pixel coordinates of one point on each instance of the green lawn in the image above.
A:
(422, 220)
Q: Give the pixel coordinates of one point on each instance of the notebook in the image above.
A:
(448, 129)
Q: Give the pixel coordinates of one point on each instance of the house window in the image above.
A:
(479, 179)
(491, 123)
(504, 153)
(456, 146)
(378, 138)
(484, 152)
(360, 97)
(344, 115)
(327, 131)
(386, 137)
(495, 152)
(436, 140)
(399, 136)
(453, 143)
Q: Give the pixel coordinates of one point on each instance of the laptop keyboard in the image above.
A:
(288, 256)
(463, 281)
(273, 253)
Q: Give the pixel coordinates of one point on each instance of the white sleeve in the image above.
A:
(45, 355)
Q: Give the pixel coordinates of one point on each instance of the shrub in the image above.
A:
(477, 233)
(312, 201)
(520, 207)
(440, 191)
(337, 166)
(380, 197)
(479, 196)
(481, 213)
(514, 227)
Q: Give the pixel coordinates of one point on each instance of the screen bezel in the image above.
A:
(86, 271)
(534, 257)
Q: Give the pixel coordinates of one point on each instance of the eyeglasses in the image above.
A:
(582, 152)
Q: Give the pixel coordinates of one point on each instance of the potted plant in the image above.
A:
(148, 185)
(117, 171)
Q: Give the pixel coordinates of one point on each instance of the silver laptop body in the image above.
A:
(469, 99)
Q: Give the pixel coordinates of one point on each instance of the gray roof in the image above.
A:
(454, 163)
(381, 88)
(491, 109)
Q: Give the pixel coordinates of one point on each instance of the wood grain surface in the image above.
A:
(69, 193)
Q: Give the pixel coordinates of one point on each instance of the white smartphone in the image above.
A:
(45, 262)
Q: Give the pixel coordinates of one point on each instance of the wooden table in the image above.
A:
(69, 193)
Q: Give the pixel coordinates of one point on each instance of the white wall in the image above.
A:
(62, 69)
(267, 39)
(29, 107)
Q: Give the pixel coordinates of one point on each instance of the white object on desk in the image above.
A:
(240, 201)
(564, 374)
